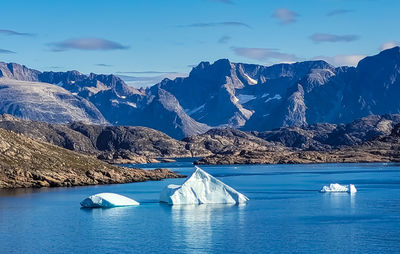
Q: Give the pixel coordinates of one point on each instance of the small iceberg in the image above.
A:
(201, 188)
(335, 187)
(107, 200)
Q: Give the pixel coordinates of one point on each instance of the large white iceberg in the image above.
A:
(106, 200)
(201, 188)
(335, 187)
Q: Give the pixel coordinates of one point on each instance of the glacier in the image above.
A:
(201, 188)
(335, 187)
(106, 200)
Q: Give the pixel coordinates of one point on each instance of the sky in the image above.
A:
(144, 41)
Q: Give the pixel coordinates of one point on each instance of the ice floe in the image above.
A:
(201, 188)
(105, 200)
(335, 187)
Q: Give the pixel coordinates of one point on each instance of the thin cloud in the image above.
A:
(263, 54)
(87, 44)
(341, 60)
(224, 39)
(389, 45)
(5, 51)
(285, 16)
(322, 37)
(146, 81)
(54, 67)
(338, 12)
(215, 24)
(223, 1)
(147, 72)
(104, 65)
(11, 32)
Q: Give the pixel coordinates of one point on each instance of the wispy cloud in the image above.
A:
(214, 24)
(338, 12)
(146, 81)
(86, 44)
(54, 67)
(104, 65)
(147, 72)
(224, 39)
(263, 54)
(389, 45)
(285, 16)
(223, 1)
(323, 37)
(11, 32)
(5, 51)
(341, 60)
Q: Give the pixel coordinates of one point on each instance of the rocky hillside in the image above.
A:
(382, 149)
(120, 144)
(25, 162)
(110, 143)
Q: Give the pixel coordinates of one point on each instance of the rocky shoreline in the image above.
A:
(25, 162)
(381, 149)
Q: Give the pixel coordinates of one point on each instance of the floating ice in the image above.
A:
(201, 188)
(335, 187)
(105, 200)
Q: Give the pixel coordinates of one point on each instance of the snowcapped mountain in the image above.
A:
(22, 95)
(245, 96)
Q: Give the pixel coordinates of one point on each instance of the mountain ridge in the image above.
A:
(245, 96)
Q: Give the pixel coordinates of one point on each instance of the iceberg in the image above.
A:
(106, 200)
(335, 187)
(201, 188)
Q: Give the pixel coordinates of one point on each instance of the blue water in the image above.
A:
(285, 214)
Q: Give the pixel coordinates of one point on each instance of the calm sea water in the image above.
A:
(285, 214)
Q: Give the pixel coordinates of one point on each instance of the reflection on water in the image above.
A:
(110, 213)
(195, 224)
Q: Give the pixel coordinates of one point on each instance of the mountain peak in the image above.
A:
(18, 72)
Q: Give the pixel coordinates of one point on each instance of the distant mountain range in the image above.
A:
(223, 94)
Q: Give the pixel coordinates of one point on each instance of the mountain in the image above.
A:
(22, 95)
(119, 144)
(110, 143)
(224, 94)
(25, 162)
(384, 148)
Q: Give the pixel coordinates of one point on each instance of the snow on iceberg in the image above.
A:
(105, 200)
(335, 187)
(201, 188)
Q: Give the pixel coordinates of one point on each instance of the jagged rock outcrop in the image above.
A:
(18, 72)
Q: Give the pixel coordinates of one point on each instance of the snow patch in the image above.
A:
(201, 188)
(335, 187)
(250, 80)
(243, 98)
(133, 105)
(276, 97)
(105, 200)
(192, 111)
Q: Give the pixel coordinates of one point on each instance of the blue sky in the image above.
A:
(156, 38)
